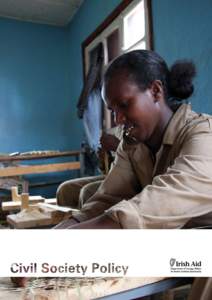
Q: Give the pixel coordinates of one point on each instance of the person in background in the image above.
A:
(75, 192)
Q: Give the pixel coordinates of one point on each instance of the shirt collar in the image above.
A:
(176, 123)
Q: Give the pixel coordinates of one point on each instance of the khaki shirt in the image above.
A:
(165, 191)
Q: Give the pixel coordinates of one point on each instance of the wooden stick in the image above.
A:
(24, 201)
(57, 207)
(15, 195)
(106, 162)
(37, 169)
(37, 156)
(16, 205)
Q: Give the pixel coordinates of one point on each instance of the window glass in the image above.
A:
(140, 45)
(134, 26)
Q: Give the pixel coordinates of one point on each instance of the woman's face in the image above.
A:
(138, 111)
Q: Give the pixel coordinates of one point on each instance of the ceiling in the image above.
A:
(52, 12)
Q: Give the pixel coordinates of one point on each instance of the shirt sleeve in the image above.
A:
(120, 183)
(175, 197)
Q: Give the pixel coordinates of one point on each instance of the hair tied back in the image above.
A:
(181, 76)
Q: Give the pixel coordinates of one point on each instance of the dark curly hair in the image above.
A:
(145, 66)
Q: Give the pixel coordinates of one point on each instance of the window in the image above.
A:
(127, 28)
(135, 33)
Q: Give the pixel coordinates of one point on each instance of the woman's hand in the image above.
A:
(109, 142)
(19, 281)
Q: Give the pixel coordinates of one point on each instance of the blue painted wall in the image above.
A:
(182, 29)
(35, 103)
(41, 79)
(41, 69)
(40, 82)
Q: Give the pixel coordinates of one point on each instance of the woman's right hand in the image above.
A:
(19, 281)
